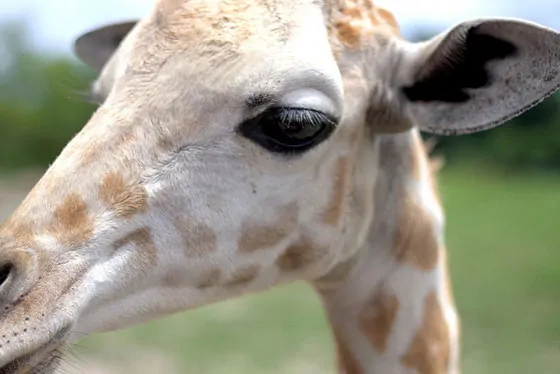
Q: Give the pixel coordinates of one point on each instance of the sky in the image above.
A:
(55, 23)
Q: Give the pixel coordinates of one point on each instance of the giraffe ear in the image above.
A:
(96, 47)
(479, 74)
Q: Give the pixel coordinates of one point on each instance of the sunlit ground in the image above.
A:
(503, 235)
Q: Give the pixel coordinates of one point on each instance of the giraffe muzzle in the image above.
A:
(41, 360)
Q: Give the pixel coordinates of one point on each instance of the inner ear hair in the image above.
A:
(459, 63)
(478, 75)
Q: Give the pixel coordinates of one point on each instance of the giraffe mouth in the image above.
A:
(42, 360)
(37, 362)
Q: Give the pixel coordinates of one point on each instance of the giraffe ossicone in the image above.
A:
(243, 144)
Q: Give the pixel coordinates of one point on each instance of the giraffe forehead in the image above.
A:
(211, 42)
(267, 18)
(224, 23)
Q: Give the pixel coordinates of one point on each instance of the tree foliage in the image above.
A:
(41, 104)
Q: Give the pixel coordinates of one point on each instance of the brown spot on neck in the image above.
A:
(142, 238)
(256, 237)
(244, 275)
(71, 222)
(416, 243)
(198, 239)
(347, 363)
(340, 188)
(299, 255)
(377, 319)
(429, 351)
(209, 278)
(123, 198)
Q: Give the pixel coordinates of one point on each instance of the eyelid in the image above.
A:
(312, 114)
(264, 110)
(311, 99)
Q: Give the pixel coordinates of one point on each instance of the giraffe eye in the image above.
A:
(288, 130)
(5, 271)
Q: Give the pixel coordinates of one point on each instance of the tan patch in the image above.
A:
(416, 243)
(124, 199)
(335, 210)
(358, 19)
(198, 239)
(429, 351)
(347, 363)
(348, 33)
(257, 237)
(142, 238)
(377, 319)
(72, 224)
(244, 275)
(209, 278)
(299, 255)
(19, 230)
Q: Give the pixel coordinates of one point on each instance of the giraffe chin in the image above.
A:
(39, 363)
(43, 360)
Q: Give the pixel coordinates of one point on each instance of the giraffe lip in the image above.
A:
(41, 360)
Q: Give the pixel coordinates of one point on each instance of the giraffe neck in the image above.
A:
(390, 305)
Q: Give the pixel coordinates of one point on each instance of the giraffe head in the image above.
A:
(232, 151)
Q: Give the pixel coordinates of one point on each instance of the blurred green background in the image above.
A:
(501, 192)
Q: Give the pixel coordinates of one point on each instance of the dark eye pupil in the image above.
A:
(288, 129)
(295, 128)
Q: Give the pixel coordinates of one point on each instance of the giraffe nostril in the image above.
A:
(5, 271)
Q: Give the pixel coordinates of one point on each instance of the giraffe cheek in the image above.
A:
(72, 224)
(258, 236)
(142, 240)
(198, 239)
(123, 198)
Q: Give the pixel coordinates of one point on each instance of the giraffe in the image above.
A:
(243, 144)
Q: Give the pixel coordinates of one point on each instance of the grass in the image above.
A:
(503, 239)
(503, 234)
